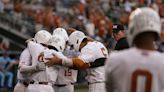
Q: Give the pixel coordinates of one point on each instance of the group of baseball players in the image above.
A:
(50, 62)
(37, 72)
(33, 73)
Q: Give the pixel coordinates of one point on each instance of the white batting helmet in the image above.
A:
(42, 36)
(58, 42)
(62, 32)
(143, 20)
(76, 38)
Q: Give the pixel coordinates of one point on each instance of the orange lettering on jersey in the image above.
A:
(103, 52)
(78, 63)
(148, 78)
(40, 57)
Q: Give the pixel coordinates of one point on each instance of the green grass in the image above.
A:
(77, 89)
(81, 90)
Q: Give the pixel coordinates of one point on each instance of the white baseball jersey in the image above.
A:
(35, 49)
(91, 52)
(25, 60)
(135, 70)
(52, 71)
(67, 75)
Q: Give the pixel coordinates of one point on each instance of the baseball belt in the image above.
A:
(24, 82)
(62, 85)
(96, 82)
(43, 83)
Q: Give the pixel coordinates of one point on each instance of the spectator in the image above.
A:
(128, 6)
(119, 36)
(161, 46)
(38, 20)
(2, 76)
(5, 44)
(89, 26)
(5, 60)
(162, 33)
(1, 39)
(1, 6)
(78, 23)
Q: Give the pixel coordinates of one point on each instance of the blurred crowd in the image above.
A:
(8, 65)
(94, 17)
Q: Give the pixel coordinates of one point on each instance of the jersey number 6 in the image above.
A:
(148, 82)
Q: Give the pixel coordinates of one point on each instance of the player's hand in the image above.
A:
(55, 60)
(41, 66)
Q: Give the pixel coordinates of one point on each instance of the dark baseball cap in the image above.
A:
(117, 27)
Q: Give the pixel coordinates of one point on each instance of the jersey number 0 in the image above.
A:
(148, 77)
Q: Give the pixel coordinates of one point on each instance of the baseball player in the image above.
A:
(92, 57)
(56, 44)
(66, 76)
(23, 78)
(25, 71)
(139, 68)
(40, 79)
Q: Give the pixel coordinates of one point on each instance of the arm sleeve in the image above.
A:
(25, 62)
(35, 49)
(87, 55)
(84, 59)
(98, 62)
(27, 69)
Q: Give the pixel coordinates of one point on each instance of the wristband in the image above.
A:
(67, 62)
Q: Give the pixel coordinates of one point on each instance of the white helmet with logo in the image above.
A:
(42, 36)
(76, 38)
(62, 32)
(58, 42)
(143, 20)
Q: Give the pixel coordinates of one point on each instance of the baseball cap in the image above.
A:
(117, 27)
